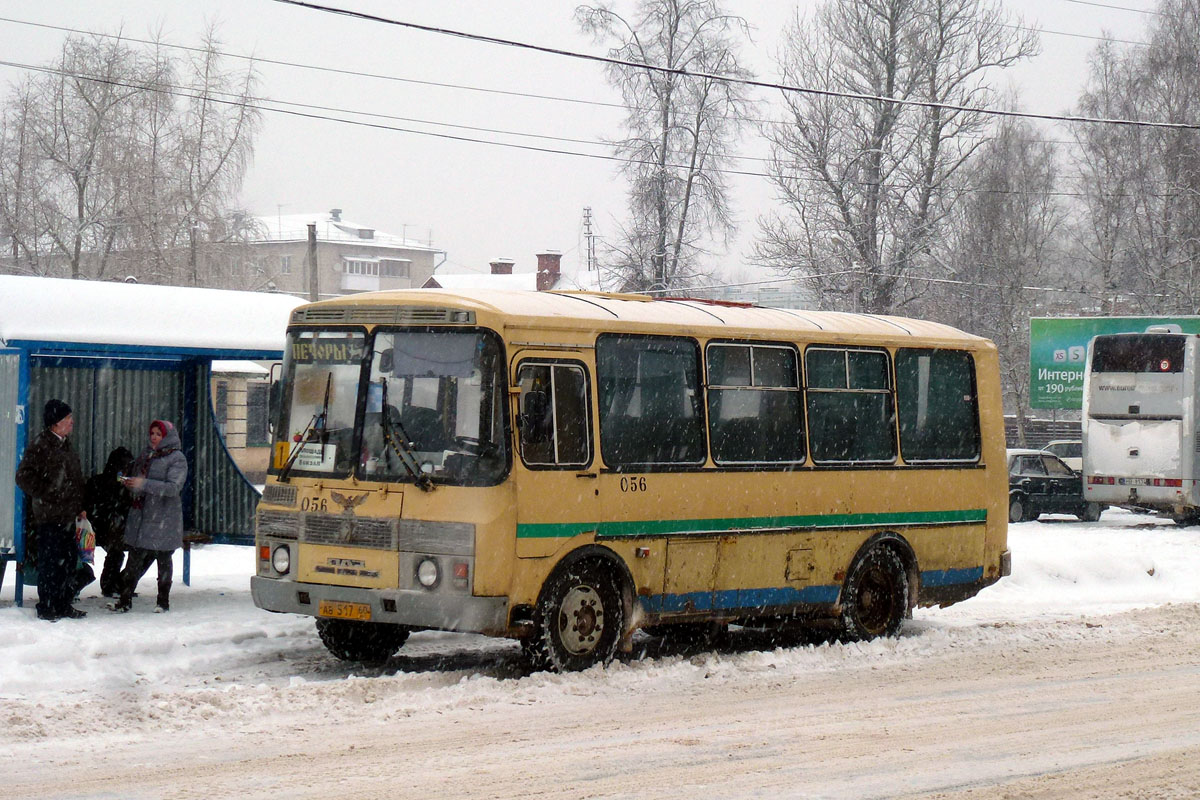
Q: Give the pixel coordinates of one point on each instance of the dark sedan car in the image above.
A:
(1041, 483)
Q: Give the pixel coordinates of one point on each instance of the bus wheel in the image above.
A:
(368, 642)
(875, 597)
(1016, 509)
(1090, 513)
(579, 621)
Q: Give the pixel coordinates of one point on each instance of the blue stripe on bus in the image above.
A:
(773, 597)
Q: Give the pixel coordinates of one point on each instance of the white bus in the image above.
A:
(1140, 436)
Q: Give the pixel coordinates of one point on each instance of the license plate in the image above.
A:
(340, 610)
(1134, 481)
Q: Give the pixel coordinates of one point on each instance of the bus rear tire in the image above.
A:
(365, 642)
(1091, 512)
(875, 597)
(579, 621)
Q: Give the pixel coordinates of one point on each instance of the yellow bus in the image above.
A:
(565, 468)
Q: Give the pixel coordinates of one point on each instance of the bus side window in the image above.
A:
(553, 416)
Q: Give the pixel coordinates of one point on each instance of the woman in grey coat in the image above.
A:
(154, 529)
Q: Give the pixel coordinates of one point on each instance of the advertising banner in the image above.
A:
(1058, 353)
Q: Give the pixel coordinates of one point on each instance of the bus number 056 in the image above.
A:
(633, 484)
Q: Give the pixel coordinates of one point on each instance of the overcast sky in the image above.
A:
(477, 201)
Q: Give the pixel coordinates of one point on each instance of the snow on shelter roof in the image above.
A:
(140, 315)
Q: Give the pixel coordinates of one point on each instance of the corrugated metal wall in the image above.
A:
(114, 406)
(10, 374)
(224, 499)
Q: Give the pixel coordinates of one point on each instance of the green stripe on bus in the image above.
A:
(562, 530)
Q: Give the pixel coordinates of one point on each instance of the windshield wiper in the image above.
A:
(403, 447)
(323, 417)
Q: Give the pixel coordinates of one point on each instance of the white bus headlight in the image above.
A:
(281, 559)
(427, 573)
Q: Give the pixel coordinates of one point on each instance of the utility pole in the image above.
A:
(311, 259)
(589, 238)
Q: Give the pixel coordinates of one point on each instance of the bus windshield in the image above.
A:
(1138, 353)
(434, 407)
(321, 373)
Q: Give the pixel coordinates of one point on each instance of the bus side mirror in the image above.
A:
(534, 418)
(274, 398)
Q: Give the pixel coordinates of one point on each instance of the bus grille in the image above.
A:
(279, 524)
(280, 495)
(383, 315)
(378, 534)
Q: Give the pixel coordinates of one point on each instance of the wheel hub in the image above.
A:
(581, 620)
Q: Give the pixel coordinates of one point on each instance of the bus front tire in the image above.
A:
(875, 597)
(579, 620)
(365, 642)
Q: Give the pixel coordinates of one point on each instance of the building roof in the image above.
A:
(294, 228)
(126, 316)
(519, 281)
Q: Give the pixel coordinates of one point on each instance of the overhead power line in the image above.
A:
(1116, 8)
(210, 96)
(373, 75)
(740, 81)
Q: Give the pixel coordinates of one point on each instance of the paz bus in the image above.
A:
(565, 468)
(1140, 437)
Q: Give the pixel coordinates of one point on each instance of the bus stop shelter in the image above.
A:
(122, 355)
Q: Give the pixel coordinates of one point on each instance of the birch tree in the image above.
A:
(679, 132)
(866, 181)
(1141, 185)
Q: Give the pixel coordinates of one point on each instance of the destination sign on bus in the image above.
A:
(1058, 352)
(322, 351)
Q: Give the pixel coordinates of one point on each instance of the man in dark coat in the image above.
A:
(51, 475)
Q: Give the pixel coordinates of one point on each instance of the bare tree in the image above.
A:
(1001, 250)
(135, 155)
(1141, 225)
(866, 181)
(680, 130)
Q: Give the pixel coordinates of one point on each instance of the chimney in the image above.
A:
(502, 266)
(335, 214)
(548, 270)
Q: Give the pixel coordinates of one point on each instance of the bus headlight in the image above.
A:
(427, 573)
(281, 559)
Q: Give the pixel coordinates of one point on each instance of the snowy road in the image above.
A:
(1077, 677)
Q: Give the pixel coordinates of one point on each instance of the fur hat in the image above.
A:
(56, 411)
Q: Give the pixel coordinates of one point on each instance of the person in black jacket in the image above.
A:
(107, 502)
(51, 475)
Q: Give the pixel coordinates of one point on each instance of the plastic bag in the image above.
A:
(85, 538)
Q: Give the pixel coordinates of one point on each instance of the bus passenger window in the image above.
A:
(938, 406)
(553, 415)
(849, 402)
(649, 392)
(755, 414)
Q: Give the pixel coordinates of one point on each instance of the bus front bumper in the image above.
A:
(415, 608)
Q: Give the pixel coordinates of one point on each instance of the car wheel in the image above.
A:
(1016, 509)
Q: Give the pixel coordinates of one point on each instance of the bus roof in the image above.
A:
(609, 311)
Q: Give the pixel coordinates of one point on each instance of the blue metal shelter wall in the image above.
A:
(224, 500)
(10, 376)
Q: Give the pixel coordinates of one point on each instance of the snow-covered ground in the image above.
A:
(218, 690)
(1062, 569)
